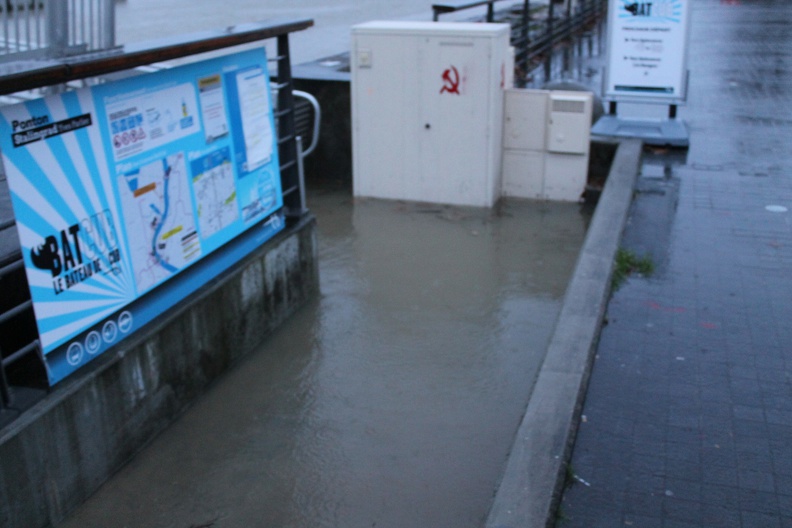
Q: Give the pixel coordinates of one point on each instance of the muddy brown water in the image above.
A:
(391, 400)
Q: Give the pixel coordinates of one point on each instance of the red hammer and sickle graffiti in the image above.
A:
(450, 81)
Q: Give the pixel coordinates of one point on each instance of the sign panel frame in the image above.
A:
(131, 195)
(647, 51)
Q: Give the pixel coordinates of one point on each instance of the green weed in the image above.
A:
(628, 263)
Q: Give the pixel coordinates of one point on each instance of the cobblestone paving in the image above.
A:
(688, 416)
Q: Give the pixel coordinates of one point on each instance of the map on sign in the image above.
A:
(215, 191)
(158, 214)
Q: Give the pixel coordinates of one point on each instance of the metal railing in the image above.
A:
(535, 39)
(33, 29)
(534, 42)
(453, 6)
(19, 345)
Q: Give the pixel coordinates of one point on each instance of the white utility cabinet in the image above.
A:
(427, 110)
(546, 144)
(524, 143)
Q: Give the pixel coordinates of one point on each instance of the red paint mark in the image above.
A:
(708, 325)
(672, 309)
(450, 81)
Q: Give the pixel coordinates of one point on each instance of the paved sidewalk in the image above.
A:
(688, 417)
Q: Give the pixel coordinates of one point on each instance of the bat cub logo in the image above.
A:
(639, 8)
(57, 258)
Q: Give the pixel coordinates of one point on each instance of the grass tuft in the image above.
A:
(627, 263)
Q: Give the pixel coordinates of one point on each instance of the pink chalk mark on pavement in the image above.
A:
(672, 309)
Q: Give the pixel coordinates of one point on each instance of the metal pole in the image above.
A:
(57, 27)
(39, 10)
(108, 24)
(301, 173)
(526, 36)
(490, 12)
(286, 128)
(6, 35)
(549, 51)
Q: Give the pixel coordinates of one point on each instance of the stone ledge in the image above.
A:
(528, 494)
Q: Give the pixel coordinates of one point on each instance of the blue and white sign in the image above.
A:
(647, 43)
(131, 195)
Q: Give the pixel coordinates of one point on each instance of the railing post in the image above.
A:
(5, 391)
(301, 174)
(490, 11)
(526, 38)
(286, 128)
(108, 22)
(550, 42)
(57, 27)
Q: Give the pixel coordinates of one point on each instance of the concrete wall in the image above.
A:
(65, 447)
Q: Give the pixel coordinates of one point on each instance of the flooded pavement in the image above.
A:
(390, 401)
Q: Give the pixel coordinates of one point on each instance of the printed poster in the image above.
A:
(131, 195)
(647, 44)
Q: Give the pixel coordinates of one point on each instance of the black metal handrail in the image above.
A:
(554, 31)
(533, 41)
(453, 6)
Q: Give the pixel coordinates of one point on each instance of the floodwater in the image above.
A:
(390, 401)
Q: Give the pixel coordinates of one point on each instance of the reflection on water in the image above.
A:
(390, 401)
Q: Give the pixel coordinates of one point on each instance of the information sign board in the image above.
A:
(131, 195)
(647, 42)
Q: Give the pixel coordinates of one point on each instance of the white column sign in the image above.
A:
(647, 43)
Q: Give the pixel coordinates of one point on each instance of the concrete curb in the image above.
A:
(534, 477)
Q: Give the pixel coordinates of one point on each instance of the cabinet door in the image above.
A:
(385, 115)
(455, 82)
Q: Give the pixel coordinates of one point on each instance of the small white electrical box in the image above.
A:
(546, 138)
(569, 122)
